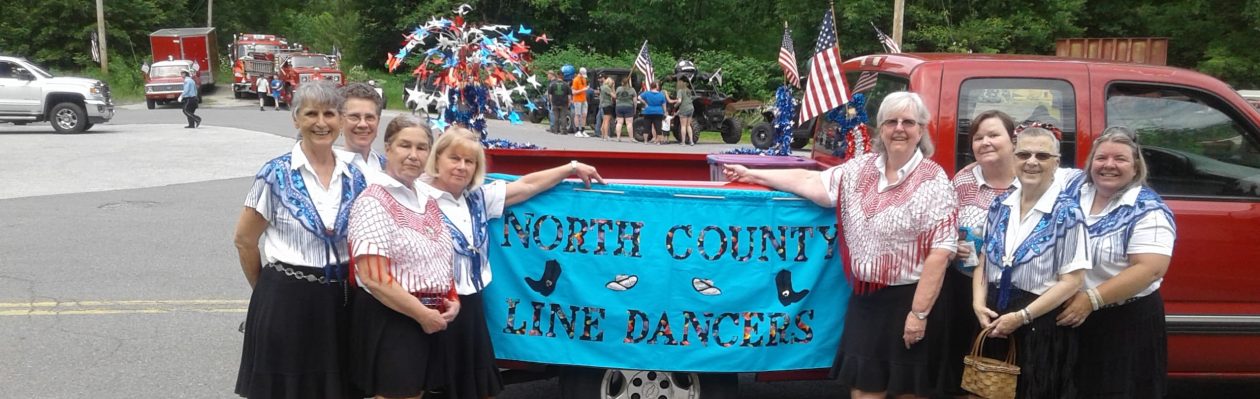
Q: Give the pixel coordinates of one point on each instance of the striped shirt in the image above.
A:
(285, 240)
(456, 209)
(1040, 268)
(389, 220)
(1152, 232)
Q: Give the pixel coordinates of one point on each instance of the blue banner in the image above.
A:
(666, 278)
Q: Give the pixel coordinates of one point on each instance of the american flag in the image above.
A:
(890, 45)
(787, 58)
(644, 64)
(868, 79)
(826, 88)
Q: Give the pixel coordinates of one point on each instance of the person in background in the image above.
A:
(262, 86)
(992, 136)
(559, 93)
(1120, 315)
(580, 87)
(277, 86)
(626, 100)
(896, 212)
(190, 100)
(454, 176)
(607, 107)
(1035, 257)
(402, 260)
(654, 112)
(686, 109)
(296, 334)
(362, 119)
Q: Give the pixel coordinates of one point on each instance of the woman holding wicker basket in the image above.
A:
(1035, 258)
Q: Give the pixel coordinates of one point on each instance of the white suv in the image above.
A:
(30, 94)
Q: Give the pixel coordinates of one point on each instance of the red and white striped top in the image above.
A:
(411, 236)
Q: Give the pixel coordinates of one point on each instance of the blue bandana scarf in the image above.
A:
(475, 251)
(289, 188)
(1123, 217)
(1051, 229)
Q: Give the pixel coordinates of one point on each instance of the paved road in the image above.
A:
(117, 275)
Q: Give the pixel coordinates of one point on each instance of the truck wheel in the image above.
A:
(68, 118)
(236, 94)
(590, 383)
(762, 136)
(150, 103)
(88, 126)
(732, 130)
(640, 129)
(537, 116)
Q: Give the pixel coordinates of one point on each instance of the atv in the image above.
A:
(713, 109)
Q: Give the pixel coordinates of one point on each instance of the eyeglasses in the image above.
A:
(1041, 156)
(355, 118)
(904, 123)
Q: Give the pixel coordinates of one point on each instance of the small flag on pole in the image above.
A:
(717, 75)
(826, 88)
(644, 64)
(890, 45)
(787, 58)
(96, 49)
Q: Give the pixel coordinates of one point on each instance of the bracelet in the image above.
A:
(1027, 316)
(573, 166)
(1095, 299)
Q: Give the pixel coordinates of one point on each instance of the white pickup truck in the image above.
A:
(30, 94)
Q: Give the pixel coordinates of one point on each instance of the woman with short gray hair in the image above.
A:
(898, 229)
(296, 328)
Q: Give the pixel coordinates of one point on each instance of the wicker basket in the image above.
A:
(990, 378)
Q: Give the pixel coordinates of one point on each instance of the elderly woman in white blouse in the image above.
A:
(899, 228)
(1034, 259)
(299, 206)
(1120, 314)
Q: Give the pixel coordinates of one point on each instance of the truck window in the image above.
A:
(1193, 142)
(1042, 100)
(884, 84)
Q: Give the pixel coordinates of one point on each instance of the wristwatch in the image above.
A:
(573, 166)
(919, 315)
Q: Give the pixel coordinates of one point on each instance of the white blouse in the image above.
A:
(1153, 233)
(1042, 271)
(456, 209)
(285, 240)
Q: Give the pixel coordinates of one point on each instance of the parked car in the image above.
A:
(28, 93)
(164, 81)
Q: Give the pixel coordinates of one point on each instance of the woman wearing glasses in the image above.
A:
(1120, 316)
(1034, 258)
(976, 185)
(897, 212)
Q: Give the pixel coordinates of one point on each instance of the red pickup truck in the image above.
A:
(1201, 140)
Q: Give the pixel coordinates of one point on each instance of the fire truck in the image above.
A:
(254, 55)
(192, 44)
(297, 68)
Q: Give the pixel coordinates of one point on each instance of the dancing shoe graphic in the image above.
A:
(546, 284)
(705, 286)
(622, 282)
(787, 295)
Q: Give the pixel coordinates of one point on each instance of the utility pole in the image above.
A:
(100, 32)
(209, 13)
(899, 13)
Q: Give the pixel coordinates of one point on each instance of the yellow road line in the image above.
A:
(52, 308)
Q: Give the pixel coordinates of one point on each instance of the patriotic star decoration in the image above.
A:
(533, 81)
(525, 31)
(542, 38)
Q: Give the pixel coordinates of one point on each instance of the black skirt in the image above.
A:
(390, 354)
(873, 357)
(470, 365)
(1046, 353)
(1124, 351)
(295, 339)
(955, 302)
